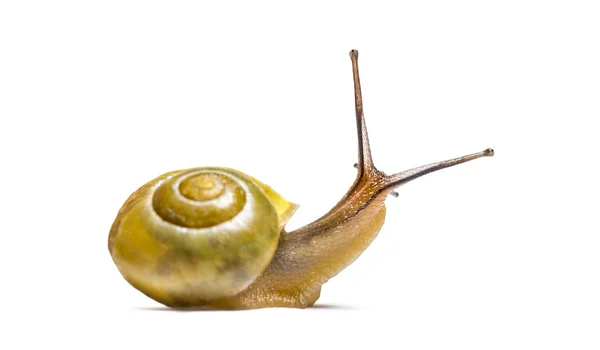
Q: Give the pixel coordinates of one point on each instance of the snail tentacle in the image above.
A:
(308, 257)
(398, 179)
(365, 161)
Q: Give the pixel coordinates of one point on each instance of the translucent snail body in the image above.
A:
(214, 237)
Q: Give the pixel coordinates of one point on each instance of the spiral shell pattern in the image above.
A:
(192, 236)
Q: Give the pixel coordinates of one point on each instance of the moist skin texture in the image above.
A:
(308, 257)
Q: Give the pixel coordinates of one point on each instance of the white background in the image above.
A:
(96, 98)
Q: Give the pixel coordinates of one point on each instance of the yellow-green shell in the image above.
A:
(192, 236)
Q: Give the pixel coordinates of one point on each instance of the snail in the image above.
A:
(214, 237)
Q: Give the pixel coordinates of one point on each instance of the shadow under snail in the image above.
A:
(214, 237)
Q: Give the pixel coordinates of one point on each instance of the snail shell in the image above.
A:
(196, 235)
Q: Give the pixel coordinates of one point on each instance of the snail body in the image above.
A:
(215, 237)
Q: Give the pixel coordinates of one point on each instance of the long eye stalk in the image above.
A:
(365, 162)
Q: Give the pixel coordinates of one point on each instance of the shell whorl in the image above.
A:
(199, 199)
(205, 203)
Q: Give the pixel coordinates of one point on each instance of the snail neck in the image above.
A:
(364, 198)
